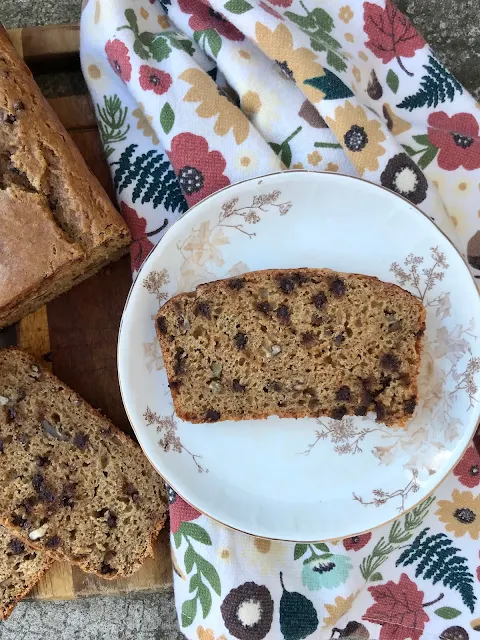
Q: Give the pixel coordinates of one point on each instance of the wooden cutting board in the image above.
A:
(77, 333)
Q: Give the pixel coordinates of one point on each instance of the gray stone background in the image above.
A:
(452, 27)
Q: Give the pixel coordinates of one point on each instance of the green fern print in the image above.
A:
(203, 575)
(153, 179)
(155, 45)
(438, 560)
(111, 122)
(400, 533)
(318, 24)
(437, 86)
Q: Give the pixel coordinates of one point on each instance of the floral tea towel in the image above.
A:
(192, 96)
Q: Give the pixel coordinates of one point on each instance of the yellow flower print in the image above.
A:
(204, 90)
(251, 103)
(246, 160)
(360, 136)
(331, 166)
(356, 74)
(163, 21)
(299, 64)
(345, 14)
(461, 514)
(94, 72)
(349, 37)
(314, 158)
(207, 634)
(297, 165)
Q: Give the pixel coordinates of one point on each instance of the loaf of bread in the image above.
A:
(293, 343)
(71, 483)
(58, 225)
(20, 569)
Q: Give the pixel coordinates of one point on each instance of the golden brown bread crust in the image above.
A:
(387, 391)
(16, 583)
(44, 426)
(58, 225)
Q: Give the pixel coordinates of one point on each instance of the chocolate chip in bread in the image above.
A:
(71, 483)
(293, 343)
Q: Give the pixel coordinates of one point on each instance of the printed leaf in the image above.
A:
(422, 139)
(237, 6)
(390, 34)
(189, 611)
(299, 551)
(195, 580)
(392, 80)
(335, 61)
(146, 37)
(177, 538)
(286, 154)
(189, 559)
(447, 612)
(111, 122)
(214, 41)
(205, 598)
(437, 86)
(321, 547)
(330, 85)
(275, 147)
(196, 532)
(337, 610)
(141, 51)
(152, 176)
(181, 43)
(159, 49)
(427, 157)
(304, 22)
(439, 562)
(210, 573)
(322, 19)
(410, 150)
(298, 617)
(132, 20)
(376, 577)
(167, 117)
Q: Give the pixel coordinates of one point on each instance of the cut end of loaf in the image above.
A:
(71, 484)
(293, 343)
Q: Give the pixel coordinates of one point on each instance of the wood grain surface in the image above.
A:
(76, 334)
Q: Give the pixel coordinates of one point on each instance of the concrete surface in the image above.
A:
(452, 27)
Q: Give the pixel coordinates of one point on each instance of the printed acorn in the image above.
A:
(454, 633)
(298, 617)
(374, 88)
(353, 631)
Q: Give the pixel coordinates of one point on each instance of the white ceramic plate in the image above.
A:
(307, 479)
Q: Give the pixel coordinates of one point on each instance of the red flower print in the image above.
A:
(180, 511)
(399, 609)
(281, 3)
(457, 138)
(117, 54)
(357, 542)
(152, 79)
(199, 171)
(272, 11)
(141, 245)
(204, 17)
(391, 34)
(468, 469)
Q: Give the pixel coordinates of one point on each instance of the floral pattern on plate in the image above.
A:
(270, 222)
